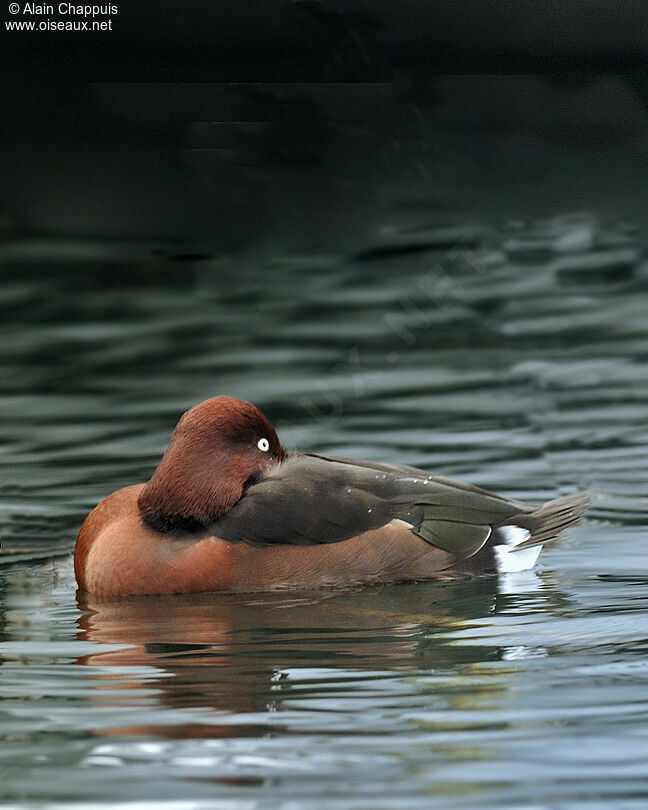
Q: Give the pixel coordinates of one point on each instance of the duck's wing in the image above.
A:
(310, 499)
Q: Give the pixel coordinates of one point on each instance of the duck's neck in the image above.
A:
(185, 500)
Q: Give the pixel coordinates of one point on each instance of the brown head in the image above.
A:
(216, 448)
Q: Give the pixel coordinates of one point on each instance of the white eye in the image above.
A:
(263, 444)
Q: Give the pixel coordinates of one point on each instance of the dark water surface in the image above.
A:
(513, 356)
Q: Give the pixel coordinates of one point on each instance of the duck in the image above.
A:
(229, 509)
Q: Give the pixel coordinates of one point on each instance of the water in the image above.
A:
(511, 354)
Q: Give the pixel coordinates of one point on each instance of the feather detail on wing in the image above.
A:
(310, 499)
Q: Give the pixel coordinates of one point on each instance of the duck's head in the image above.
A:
(216, 448)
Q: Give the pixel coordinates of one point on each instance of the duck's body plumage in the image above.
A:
(295, 520)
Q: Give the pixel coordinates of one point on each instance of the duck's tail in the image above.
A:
(517, 543)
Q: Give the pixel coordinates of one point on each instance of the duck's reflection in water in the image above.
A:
(236, 654)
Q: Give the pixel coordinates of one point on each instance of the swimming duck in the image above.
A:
(228, 508)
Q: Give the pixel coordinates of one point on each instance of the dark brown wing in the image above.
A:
(311, 499)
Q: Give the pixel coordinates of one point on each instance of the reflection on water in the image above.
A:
(229, 654)
(424, 690)
(513, 357)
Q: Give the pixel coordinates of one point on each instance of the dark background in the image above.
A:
(217, 125)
